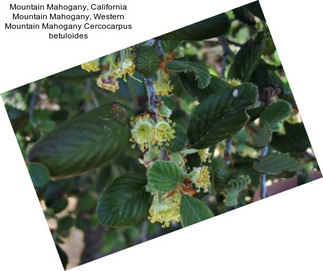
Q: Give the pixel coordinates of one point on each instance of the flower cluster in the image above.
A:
(200, 176)
(108, 81)
(163, 85)
(91, 66)
(165, 210)
(147, 133)
(113, 67)
(204, 155)
(127, 66)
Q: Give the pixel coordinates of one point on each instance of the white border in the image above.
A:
(283, 232)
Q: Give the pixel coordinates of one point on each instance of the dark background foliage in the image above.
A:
(233, 45)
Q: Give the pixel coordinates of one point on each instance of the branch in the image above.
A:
(263, 177)
(226, 52)
(151, 96)
(228, 151)
(34, 88)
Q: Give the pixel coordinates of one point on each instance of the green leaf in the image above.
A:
(170, 45)
(65, 223)
(201, 73)
(190, 84)
(163, 176)
(232, 189)
(295, 139)
(260, 136)
(147, 61)
(222, 175)
(276, 163)
(39, 174)
(276, 112)
(18, 118)
(180, 140)
(246, 60)
(193, 210)
(211, 27)
(58, 205)
(84, 142)
(124, 202)
(221, 115)
(264, 76)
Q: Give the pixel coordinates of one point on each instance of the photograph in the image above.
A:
(161, 135)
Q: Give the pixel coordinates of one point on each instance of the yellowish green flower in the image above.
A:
(164, 133)
(142, 132)
(163, 85)
(234, 82)
(91, 66)
(201, 178)
(127, 66)
(165, 210)
(108, 81)
(204, 155)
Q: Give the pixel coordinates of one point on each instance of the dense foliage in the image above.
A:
(163, 134)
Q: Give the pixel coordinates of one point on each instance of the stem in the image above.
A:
(263, 177)
(226, 52)
(122, 55)
(234, 43)
(144, 231)
(159, 49)
(228, 150)
(150, 42)
(34, 88)
(152, 106)
(151, 96)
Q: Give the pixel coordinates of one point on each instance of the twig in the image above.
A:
(234, 43)
(159, 49)
(226, 52)
(34, 88)
(228, 150)
(87, 90)
(151, 96)
(150, 42)
(263, 177)
(144, 231)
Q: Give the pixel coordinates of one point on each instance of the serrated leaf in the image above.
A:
(201, 73)
(180, 140)
(190, 84)
(170, 45)
(39, 174)
(264, 76)
(260, 136)
(222, 175)
(221, 115)
(276, 112)
(246, 60)
(276, 163)
(124, 202)
(295, 139)
(211, 27)
(163, 176)
(84, 142)
(193, 210)
(232, 189)
(147, 61)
